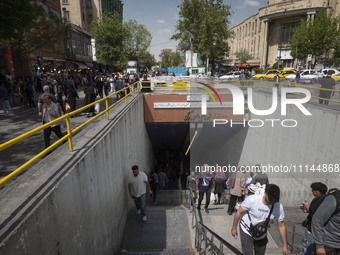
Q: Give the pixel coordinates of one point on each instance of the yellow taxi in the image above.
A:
(266, 74)
(283, 74)
(336, 78)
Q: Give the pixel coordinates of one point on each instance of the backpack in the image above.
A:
(317, 201)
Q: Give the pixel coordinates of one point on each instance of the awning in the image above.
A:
(60, 60)
(81, 65)
(239, 65)
(89, 64)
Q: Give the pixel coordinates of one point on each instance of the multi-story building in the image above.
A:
(80, 14)
(266, 34)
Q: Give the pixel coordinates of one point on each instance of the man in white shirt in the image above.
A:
(137, 189)
(260, 208)
(320, 75)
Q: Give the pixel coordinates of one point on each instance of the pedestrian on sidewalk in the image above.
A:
(191, 185)
(163, 179)
(153, 181)
(238, 186)
(319, 190)
(71, 94)
(4, 100)
(51, 111)
(220, 185)
(326, 83)
(256, 213)
(205, 184)
(90, 97)
(137, 184)
(325, 224)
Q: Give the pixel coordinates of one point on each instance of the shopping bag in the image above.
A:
(66, 106)
(97, 107)
(212, 196)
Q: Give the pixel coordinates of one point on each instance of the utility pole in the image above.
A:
(191, 52)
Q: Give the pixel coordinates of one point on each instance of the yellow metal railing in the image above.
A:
(70, 132)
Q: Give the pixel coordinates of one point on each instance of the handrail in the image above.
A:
(203, 230)
(69, 134)
(139, 84)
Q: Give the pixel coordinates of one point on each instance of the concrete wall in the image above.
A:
(314, 141)
(77, 203)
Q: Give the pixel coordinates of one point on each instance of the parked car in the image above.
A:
(267, 74)
(231, 76)
(283, 74)
(307, 76)
(334, 72)
(336, 77)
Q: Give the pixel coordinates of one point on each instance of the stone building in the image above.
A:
(80, 45)
(266, 34)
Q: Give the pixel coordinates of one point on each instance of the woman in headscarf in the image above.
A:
(219, 185)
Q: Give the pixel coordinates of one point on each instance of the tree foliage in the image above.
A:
(206, 22)
(116, 43)
(243, 56)
(319, 37)
(138, 39)
(170, 58)
(110, 35)
(25, 26)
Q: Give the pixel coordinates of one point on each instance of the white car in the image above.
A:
(308, 76)
(334, 72)
(231, 76)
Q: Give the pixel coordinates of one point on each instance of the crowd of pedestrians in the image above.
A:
(257, 203)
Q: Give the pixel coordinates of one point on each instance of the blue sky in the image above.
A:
(160, 17)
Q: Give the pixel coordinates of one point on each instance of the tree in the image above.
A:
(25, 27)
(149, 58)
(110, 36)
(138, 39)
(176, 59)
(243, 56)
(319, 37)
(170, 58)
(206, 23)
(165, 57)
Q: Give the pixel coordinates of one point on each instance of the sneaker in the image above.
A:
(138, 211)
(11, 114)
(144, 218)
(206, 210)
(230, 213)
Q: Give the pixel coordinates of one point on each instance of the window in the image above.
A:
(255, 26)
(287, 31)
(83, 15)
(67, 15)
(90, 18)
(65, 1)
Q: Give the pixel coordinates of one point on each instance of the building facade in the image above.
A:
(80, 45)
(82, 12)
(266, 34)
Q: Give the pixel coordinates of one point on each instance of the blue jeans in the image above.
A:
(6, 107)
(140, 203)
(308, 245)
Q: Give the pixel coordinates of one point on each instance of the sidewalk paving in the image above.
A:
(24, 120)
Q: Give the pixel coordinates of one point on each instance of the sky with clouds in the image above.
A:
(160, 17)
